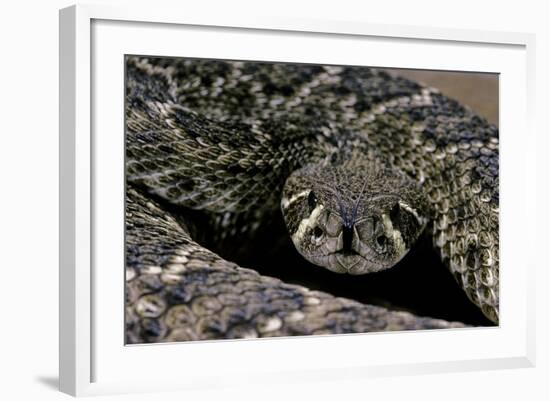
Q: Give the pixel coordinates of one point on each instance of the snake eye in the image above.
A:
(311, 201)
(381, 241)
(317, 232)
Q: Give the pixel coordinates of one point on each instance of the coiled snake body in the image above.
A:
(358, 161)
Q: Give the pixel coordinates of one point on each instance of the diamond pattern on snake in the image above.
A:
(238, 173)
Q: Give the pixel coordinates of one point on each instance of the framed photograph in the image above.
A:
(272, 199)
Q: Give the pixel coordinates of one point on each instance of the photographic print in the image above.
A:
(275, 199)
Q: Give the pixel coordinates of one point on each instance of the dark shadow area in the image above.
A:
(51, 382)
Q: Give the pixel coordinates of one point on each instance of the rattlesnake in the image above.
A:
(358, 161)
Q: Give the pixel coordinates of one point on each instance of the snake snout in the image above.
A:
(359, 247)
(341, 252)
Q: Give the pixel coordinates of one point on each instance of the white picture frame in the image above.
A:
(93, 358)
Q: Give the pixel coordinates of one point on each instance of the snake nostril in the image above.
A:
(318, 232)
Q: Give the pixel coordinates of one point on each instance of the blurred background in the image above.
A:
(479, 91)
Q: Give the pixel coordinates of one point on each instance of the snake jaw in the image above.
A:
(347, 263)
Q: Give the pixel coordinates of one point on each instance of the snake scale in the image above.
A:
(357, 161)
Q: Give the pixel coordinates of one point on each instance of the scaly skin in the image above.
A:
(177, 290)
(221, 139)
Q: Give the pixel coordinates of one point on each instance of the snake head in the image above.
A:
(352, 221)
